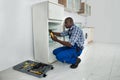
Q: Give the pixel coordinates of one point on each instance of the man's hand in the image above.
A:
(54, 38)
(61, 42)
(50, 30)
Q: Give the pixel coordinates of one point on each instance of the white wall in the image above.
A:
(105, 19)
(16, 43)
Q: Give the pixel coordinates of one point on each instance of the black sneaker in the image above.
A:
(73, 66)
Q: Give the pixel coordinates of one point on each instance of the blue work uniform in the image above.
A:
(70, 54)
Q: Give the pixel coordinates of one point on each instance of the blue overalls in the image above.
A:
(67, 54)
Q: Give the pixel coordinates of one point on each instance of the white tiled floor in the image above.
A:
(99, 62)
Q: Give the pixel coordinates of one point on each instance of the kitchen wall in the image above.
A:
(16, 43)
(105, 19)
(16, 40)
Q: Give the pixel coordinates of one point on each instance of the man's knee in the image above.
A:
(61, 57)
(58, 50)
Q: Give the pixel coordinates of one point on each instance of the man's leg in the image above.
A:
(67, 56)
(58, 50)
(78, 60)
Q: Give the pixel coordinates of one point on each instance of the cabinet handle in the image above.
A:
(86, 35)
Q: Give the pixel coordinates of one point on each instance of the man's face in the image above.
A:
(67, 24)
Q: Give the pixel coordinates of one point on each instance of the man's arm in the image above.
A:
(65, 43)
(54, 33)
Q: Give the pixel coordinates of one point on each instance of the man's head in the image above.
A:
(68, 23)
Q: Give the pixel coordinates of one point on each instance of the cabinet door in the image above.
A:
(76, 5)
(91, 33)
(85, 9)
(55, 11)
(63, 2)
(85, 32)
(69, 4)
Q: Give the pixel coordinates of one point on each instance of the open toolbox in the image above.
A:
(33, 68)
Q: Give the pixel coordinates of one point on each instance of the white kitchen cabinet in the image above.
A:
(46, 15)
(76, 5)
(55, 11)
(91, 34)
(85, 32)
(88, 34)
(85, 9)
(71, 5)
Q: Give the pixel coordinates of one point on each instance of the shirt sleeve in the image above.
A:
(65, 33)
